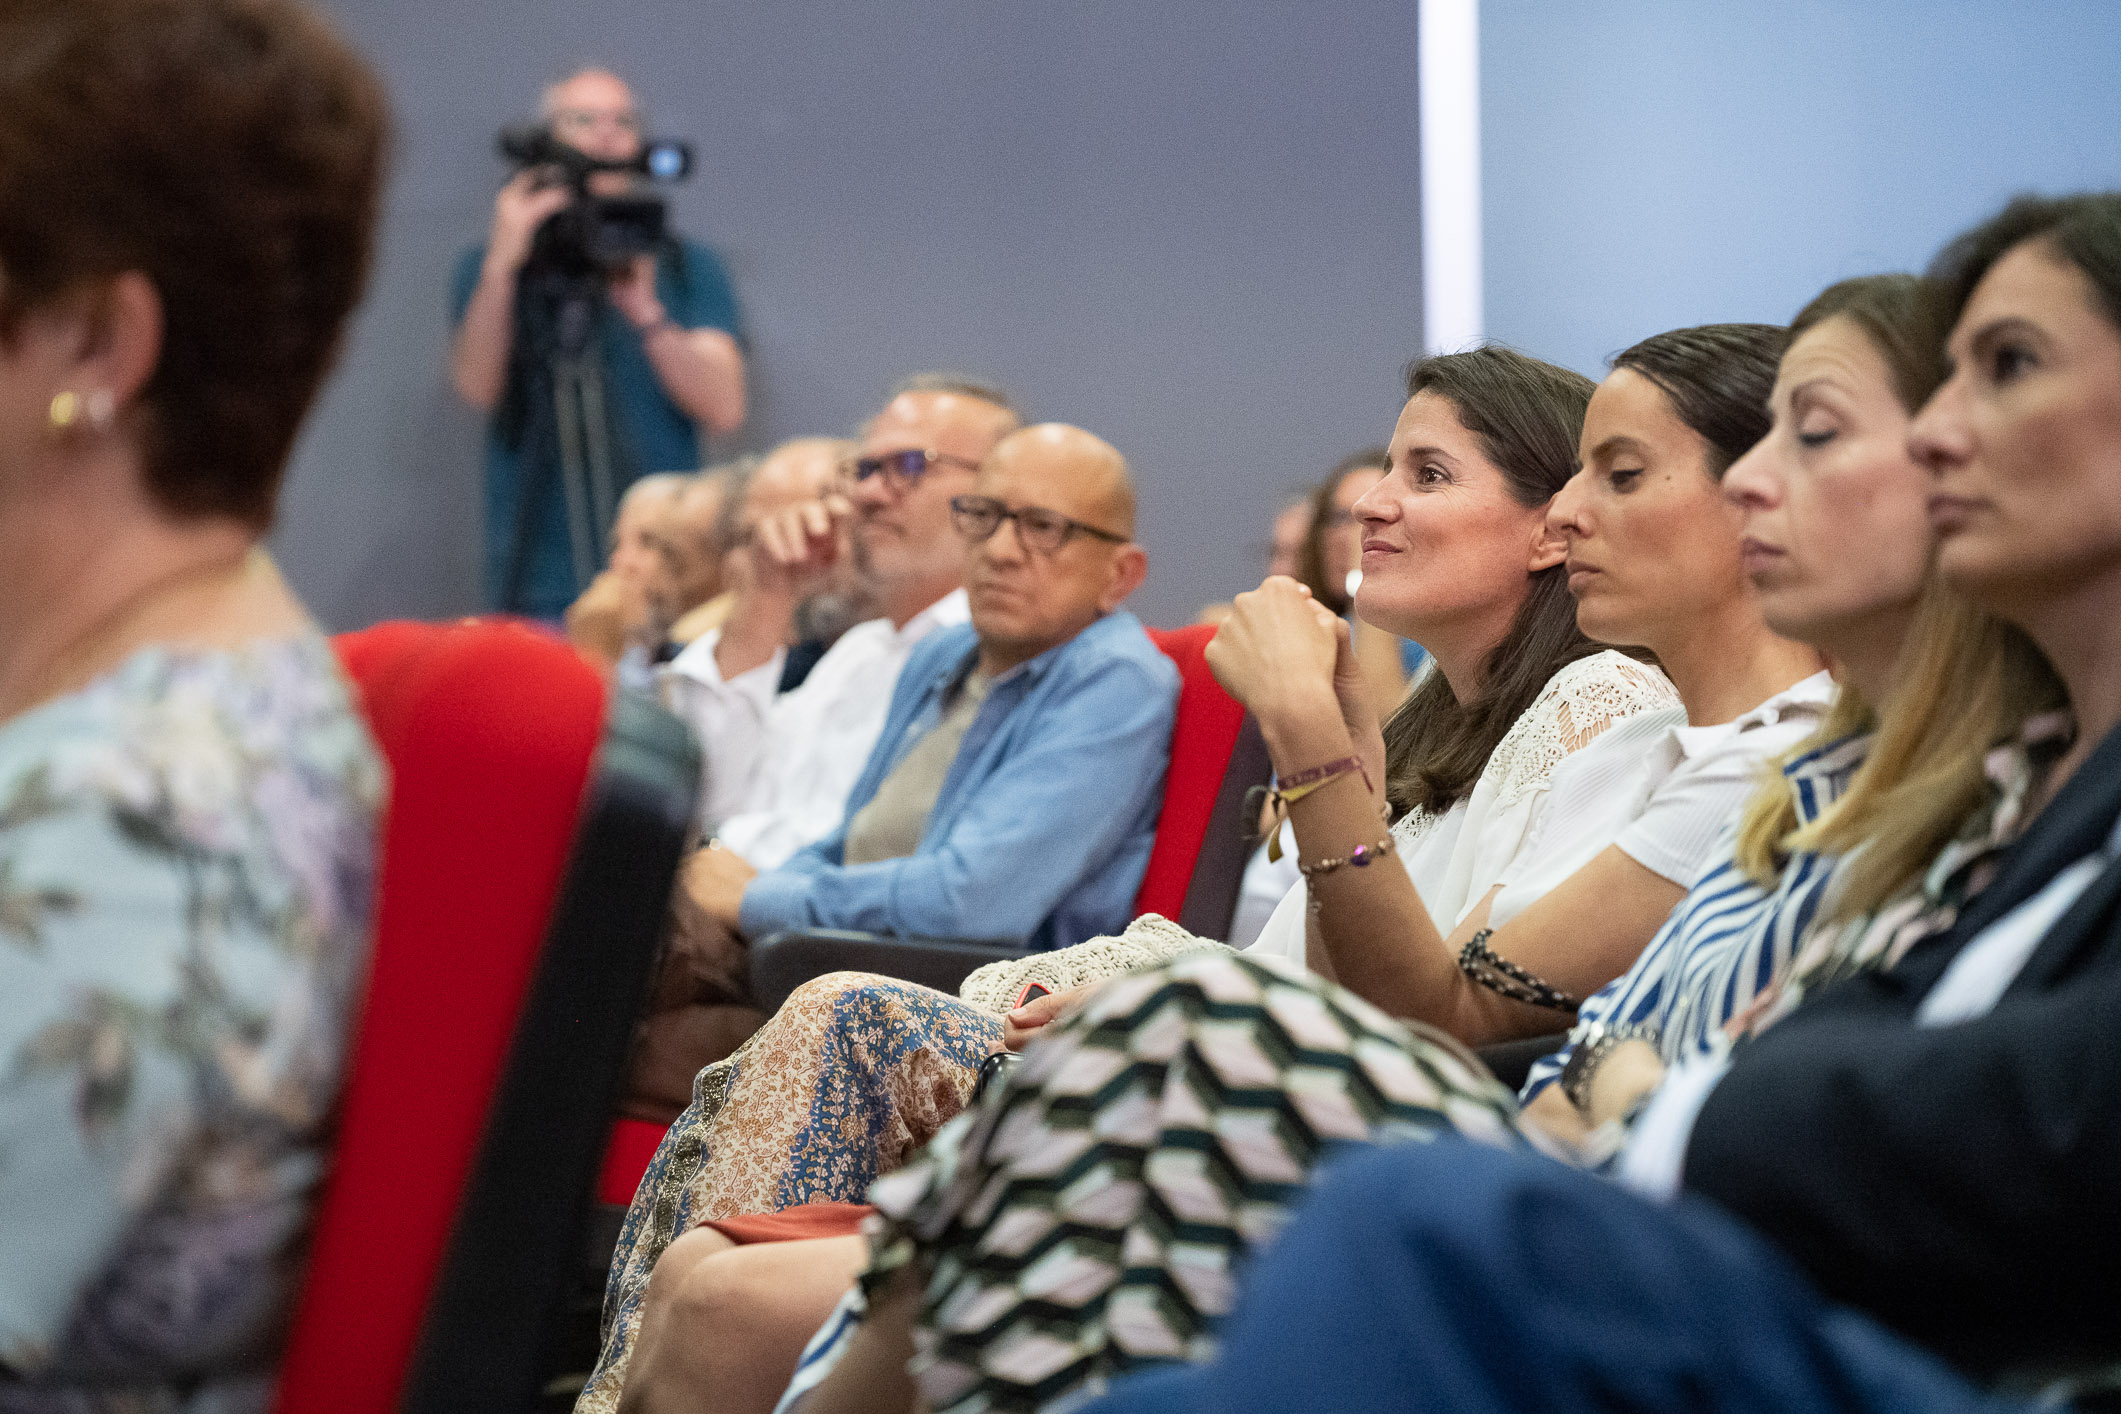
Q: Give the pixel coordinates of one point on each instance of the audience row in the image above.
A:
(1743, 506)
(1762, 759)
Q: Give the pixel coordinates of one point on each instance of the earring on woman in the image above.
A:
(100, 407)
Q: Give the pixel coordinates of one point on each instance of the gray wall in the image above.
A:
(1190, 226)
(1656, 163)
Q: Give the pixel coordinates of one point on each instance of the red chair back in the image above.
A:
(1207, 766)
(489, 729)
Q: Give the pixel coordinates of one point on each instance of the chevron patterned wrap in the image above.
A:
(1095, 1213)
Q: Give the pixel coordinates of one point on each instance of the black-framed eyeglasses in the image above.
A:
(902, 469)
(978, 517)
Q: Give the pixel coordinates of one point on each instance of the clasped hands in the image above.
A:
(1288, 659)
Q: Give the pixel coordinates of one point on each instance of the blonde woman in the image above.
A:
(1837, 543)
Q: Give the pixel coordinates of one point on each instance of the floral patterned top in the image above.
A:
(187, 859)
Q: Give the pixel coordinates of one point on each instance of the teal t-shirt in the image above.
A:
(656, 433)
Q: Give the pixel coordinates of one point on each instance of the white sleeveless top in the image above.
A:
(1455, 858)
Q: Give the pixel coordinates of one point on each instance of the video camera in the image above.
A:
(598, 233)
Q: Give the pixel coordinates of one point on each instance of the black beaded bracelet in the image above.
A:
(1498, 974)
(1597, 1041)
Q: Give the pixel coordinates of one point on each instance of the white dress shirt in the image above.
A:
(779, 766)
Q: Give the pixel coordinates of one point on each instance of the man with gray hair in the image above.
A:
(779, 765)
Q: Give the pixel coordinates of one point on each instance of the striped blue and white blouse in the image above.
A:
(1728, 937)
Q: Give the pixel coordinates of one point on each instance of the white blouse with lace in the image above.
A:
(1455, 858)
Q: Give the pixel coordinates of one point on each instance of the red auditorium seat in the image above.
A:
(534, 830)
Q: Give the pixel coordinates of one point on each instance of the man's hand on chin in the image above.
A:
(712, 882)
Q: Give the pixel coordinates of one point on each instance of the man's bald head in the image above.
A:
(656, 483)
(1081, 468)
(803, 468)
(1027, 599)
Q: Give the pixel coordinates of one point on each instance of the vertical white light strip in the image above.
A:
(1449, 49)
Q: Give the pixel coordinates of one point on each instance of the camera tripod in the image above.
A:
(568, 434)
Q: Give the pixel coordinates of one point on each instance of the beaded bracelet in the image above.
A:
(1597, 1041)
(1498, 974)
(1362, 856)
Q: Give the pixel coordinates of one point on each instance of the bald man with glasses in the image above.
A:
(1014, 787)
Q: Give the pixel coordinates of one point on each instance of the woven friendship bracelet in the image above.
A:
(1498, 974)
(1292, 787)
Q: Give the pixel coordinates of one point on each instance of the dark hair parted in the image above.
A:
(1311, 555)
(1528, 416)
(1718, 377)
(1901, 316)
(231, 152)
(2084, 230)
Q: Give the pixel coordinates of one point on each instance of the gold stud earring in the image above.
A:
(65, 410)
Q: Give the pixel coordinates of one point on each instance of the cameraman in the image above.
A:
(667, 344)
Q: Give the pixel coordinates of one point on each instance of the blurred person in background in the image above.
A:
(691, 552)
(1291, 527)
(666, 563)
(613, 614)
(188, 796)
(1284, 547)
(666, 351)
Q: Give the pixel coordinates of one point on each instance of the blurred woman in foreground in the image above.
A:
(187, 797)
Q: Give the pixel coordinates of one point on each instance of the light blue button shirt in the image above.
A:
(1045, 820)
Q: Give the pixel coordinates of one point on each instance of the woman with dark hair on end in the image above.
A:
(188, 799)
